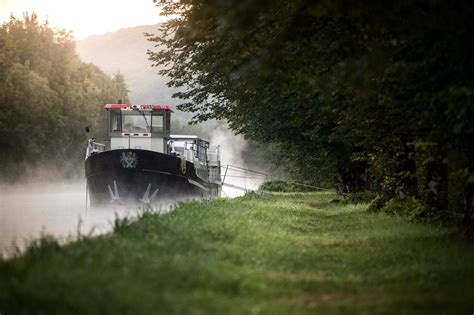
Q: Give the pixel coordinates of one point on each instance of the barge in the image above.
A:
(144, 163)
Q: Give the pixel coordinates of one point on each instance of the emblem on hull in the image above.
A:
(129, 159)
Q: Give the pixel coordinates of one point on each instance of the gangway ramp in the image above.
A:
(237, 173)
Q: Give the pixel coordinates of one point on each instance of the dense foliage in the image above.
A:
(47, 98)
(376, 96)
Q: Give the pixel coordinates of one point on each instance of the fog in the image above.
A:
(58, 209)
(231, 150)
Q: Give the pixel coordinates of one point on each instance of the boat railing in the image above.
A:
(214, 175)
(100, 147)
(94, 147)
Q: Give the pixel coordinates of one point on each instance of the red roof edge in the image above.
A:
(141, 106)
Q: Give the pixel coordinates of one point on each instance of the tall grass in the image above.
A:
(270, 254)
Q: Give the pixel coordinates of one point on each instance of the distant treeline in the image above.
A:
(47, 99)
(370, 95)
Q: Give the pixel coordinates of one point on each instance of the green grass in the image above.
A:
(271, 254)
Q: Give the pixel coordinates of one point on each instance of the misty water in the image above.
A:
(57, 209)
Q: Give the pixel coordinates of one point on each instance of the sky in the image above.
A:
(85, 17)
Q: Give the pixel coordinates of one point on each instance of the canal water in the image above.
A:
(57, 209)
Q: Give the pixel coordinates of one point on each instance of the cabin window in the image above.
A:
(136, 122)
(115, 125)
(179, 151)
(201, 151)
(179, 146)
(157, 123)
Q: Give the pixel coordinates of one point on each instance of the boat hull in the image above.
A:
(134, 176)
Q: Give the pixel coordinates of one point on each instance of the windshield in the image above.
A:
(136, 122)
(157, 122)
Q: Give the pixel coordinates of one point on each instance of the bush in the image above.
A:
(413, 209)
(409, 207)
(376, 204)
(284, 186)
(361, 197)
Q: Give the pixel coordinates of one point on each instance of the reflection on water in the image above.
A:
(27, 211)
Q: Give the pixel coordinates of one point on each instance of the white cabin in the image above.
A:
(145, 127)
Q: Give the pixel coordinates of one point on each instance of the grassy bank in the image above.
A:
(296, 253)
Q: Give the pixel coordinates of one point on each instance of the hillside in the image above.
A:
(124, 51)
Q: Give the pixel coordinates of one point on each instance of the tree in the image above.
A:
(47, 98)
(379, 93)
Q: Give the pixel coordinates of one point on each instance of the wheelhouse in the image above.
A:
(145, 127)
